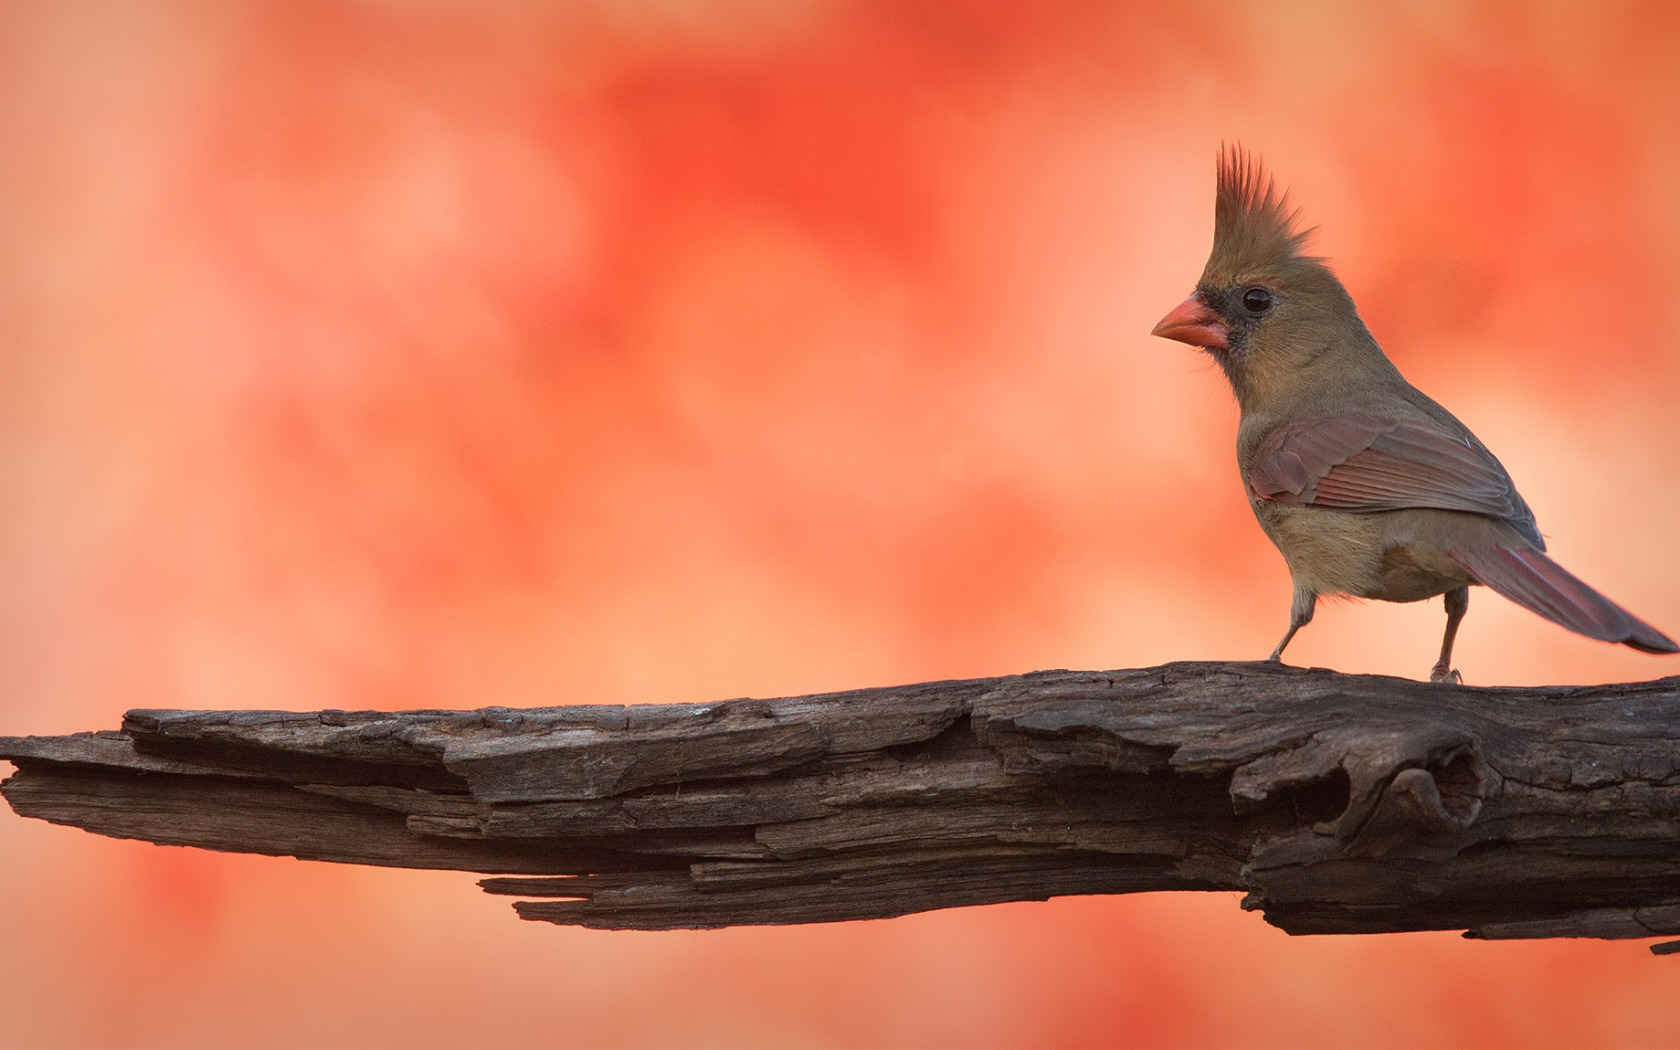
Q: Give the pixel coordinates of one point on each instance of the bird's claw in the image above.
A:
(1445, 676)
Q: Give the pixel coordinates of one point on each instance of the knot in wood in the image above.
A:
(1396, 781)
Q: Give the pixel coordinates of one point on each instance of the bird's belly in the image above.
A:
(1331, 551)
(1411, 573)
(1392, 556)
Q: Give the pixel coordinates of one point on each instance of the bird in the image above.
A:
(1368, 487)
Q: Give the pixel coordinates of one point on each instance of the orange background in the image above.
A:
(405, 356)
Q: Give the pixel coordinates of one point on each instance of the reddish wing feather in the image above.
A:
(1292, 459)
(1363, 464)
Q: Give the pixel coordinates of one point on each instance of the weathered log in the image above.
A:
(1339, 803)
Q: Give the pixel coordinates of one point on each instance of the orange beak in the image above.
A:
(1192, 322)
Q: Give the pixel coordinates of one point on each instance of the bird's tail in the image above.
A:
(1541, 585)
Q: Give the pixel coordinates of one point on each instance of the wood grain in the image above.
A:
(1337, 803)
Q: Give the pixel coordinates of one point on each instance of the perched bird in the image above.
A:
(1367, 486)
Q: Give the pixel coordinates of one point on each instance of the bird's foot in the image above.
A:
(1441, 674)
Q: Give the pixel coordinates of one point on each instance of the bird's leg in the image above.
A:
(1457, 601)
(1300, 614)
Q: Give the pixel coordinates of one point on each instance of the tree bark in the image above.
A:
(1338, 803)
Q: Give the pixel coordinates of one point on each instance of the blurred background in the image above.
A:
(386, 356)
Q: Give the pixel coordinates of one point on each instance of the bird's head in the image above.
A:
(1262, 308)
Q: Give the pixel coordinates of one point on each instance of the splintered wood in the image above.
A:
(1339, 803)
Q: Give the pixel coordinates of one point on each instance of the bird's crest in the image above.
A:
(1254, 224)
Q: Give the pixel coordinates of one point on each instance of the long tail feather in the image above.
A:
(1541, 585)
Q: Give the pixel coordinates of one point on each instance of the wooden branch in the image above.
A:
(1339, 803)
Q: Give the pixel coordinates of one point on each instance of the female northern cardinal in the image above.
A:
(1367, 486)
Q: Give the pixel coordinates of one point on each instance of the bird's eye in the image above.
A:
(1257, 300)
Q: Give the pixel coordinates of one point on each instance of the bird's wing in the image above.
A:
(1365, 463)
